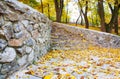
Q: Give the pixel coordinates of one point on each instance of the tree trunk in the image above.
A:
(86, 21)
(59, 7)
(77, 20)
(67, 13)
(92, 23)
(114, 19)
(101, 14)
(81, 18)
(85, 14)
(48, 11)
(116, 11)
(96, 20)
(41, 6)
(116, 26)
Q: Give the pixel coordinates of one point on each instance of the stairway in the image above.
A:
(63, 39)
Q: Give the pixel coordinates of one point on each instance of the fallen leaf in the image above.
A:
(31, 72)
(82, 77)
(48, 76)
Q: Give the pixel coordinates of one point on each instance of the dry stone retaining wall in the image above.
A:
(70, 37)
(24, 36)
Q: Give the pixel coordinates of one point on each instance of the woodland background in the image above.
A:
(101, 15)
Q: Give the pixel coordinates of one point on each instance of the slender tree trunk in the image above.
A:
(116, 26)
(86, 18)
(77, 20)
(59, 7)
(48, 11)
(85, 14)
(81, 18)
(67, 13)
(96, 20)
(101, 14)
(86, 21)
(41, 6)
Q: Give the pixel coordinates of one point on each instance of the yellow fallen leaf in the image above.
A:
(48, 76)
(80, 72)
(84, 40)
(67, 74)
(30, 66)
(81, 35)
(72, 77)
(116, 73)
(84, 70)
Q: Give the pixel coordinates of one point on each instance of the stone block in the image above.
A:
(25, 22)
(1, 21)
(30, 28)
(13, 17)
(30, 42)
(5, 68)
(35, 34)
(8, 31)
(17, 28)
(3, 44)
(28, 49)
(21, 51)
(8, 55)
(22, 61)
(15, 42)
(18, 35)
(31, 56)
(36, 26)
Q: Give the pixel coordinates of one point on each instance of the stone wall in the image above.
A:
(24, 36)
(70, 37)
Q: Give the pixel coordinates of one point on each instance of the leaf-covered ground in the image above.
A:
(92, 63)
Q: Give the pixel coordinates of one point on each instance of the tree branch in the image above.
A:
(110, 6)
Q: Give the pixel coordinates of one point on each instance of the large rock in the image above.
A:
(15, 42)
(28, 49)
(17, 27)
(3, 44)
(25, 22)
(13, 17)
(19, 35)
(8, 55)
(1, 21)
(30, 42)
(8, 31)
(23, 60)
(31, 56)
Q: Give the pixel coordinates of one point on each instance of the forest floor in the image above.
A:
(92, 63)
